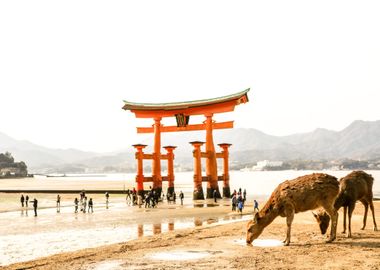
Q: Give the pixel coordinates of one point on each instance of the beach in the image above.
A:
(196, 235)
(223, 247)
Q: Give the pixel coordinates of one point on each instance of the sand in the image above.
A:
(223, 247)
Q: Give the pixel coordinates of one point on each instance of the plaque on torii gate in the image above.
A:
(182, 112)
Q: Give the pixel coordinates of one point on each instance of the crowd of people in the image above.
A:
(149, 199)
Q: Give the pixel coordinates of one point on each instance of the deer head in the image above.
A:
(323, 220)
(254, 228)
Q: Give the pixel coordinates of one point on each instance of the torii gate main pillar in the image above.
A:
(156, 164)
(211, 164)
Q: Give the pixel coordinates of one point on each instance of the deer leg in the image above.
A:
(333, 213)
(289, 220)
(344, 218)
(351, 208)
(365, 203)
(373, 215)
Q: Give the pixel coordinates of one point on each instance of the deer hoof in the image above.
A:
(375, 229)
(362, 228)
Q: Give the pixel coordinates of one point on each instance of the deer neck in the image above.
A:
(267, 215)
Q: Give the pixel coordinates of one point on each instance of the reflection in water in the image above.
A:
(171, 226)
(157, 228)
(140, 230)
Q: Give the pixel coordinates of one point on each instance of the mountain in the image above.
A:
(360, 140)
(40, 156)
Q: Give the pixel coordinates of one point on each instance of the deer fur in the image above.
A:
(356, 186)
(298, 195)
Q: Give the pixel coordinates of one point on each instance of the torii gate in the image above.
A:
(182, 112)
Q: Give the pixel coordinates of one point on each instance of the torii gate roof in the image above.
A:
(196, 107)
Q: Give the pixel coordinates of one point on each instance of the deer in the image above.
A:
(356, 186)
(304, 193)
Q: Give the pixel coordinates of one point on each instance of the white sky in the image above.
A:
(66, 66)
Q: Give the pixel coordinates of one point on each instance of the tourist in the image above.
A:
(58, 203)
(90, 206)
(147, 200)
(35, 204)
(181, 196)
(214, 194)
(139, 200)
(22, 199)
(256, 206)
(240, 205)
(174, 197)
(76, 205)
(244, 195)
(234, 202)
(84, 204)
(26, 200)
(128, 198)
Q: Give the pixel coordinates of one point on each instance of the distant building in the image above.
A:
(267, 165)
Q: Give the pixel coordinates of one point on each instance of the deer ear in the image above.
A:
(314, 214)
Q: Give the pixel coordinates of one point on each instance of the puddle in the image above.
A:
(107, 265)
(267, 243)
(260, 242)
(179, 255)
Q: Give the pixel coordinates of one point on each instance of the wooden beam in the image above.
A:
(219, 155)
(205, 178)
(227, 106)
(221, 125)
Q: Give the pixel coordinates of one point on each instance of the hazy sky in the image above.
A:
(66, 66)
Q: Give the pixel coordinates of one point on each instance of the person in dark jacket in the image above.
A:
(35, 204)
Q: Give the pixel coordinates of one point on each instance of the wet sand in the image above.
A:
(223, 247)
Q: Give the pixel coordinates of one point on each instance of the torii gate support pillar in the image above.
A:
(198, 190)
(226, 174)
(140, 173)
(170, 157)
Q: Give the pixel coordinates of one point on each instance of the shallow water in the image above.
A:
(51, 233)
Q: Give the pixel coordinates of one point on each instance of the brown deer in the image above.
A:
(356, 186)
(298, 195)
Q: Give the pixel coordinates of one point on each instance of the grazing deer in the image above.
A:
(298, 195)
(356, 186)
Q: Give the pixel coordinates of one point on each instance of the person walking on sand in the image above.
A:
(181, 196)
(107, 199)
(90, 206)
(26, 201)
(58, 203)
(214, 195)
(244, 195)
(84, 204)
(234, 202)
(240, 206)
(35, 204)
(76, 205)
(22, 199)
(256, 206)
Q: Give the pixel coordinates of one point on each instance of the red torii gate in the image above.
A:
(182, 112)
